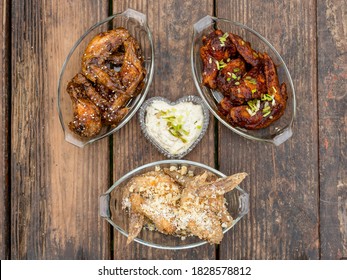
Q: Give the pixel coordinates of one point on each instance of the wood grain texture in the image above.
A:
(171, 25)
(283, 183)
(4, 129)
(332, 88)
(55, 186)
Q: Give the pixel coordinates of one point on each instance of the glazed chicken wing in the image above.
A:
(247, 79)
(230, 75)
(250, 86)
(216, 47)
(219, 45)
(245, 50)
(259, 113)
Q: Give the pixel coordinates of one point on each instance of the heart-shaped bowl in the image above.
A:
(136, 24)
(111, 206)
(164, 136)
(280, 130)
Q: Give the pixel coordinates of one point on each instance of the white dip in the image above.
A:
(174, 128)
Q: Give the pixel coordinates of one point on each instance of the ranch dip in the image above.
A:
(174, 128)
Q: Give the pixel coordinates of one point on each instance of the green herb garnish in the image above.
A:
(174, 124)
(223, 38)
(266, 97)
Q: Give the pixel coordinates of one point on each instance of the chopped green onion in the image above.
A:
(217, 63)
(223, 38)
(254, 105)
(220, 64)
(266, 97)
(267, 109)
(250, 112)
(237, 83)
(266, 114)
(236, 70)
(174, 124)
(253, 81)
(233, 76)
(228, 79)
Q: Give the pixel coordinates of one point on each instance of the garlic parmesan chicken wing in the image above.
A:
(154, 195)
(179, 204)
(204, 205)
(247, 79)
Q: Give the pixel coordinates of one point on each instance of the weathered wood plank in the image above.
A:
(332, 88)
(55, 186)
(283, 184)
(4, 128)
(171, 25)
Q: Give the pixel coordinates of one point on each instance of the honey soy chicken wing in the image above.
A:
(99, 53)
(87, 117)
(132, 74)
(96, 94)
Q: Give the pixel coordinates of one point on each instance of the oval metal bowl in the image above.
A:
(280, 130)
(111, 206)
(137, 26)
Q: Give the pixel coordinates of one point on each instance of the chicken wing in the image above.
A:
(87, 118)
(247, 79)
(102, 49)
(245, 50)
(216, 47)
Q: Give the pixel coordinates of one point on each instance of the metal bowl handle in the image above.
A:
(243, 204)
(130, 13)
(284, 136)
(104, 204)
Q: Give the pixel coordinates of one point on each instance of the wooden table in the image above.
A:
(50, 188)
